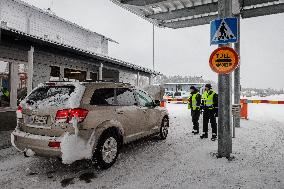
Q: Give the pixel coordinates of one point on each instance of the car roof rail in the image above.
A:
(104, 81)
(90, 81)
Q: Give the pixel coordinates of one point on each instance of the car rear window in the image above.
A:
(50, 95)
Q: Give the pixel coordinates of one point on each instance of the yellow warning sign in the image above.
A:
(224, 60)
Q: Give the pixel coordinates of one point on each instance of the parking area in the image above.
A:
(181, 161)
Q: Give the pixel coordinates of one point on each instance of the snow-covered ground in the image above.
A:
(181, 161)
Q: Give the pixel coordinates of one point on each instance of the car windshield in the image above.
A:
(168, 93)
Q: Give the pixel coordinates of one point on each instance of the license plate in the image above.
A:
(38, 120)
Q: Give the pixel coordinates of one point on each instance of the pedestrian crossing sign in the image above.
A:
(224, 31)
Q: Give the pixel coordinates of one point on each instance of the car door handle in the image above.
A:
(120, 112)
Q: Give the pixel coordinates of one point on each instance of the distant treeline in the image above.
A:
(181, 79)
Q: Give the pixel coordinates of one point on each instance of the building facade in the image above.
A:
(34, 21)
(37, 46)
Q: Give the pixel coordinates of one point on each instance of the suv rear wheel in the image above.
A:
(107, 150)
(164, 129)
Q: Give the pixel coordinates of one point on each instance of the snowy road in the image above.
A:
(181, 161)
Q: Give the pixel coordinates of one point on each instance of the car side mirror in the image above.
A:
(157, 103)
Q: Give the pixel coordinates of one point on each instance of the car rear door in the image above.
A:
(127, 112)
(114, 104)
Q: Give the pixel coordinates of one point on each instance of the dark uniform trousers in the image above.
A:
(209, 114)
(195, 114)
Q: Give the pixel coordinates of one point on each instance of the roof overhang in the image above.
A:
(187, 13)
(27, 39)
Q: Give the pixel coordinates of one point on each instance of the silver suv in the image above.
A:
(100, 116)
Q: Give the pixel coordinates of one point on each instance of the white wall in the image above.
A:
(37, 22)
(131, 77)
(128, 77)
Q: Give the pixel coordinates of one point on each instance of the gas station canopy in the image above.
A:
(187, 13)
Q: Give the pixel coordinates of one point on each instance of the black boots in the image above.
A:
(214, 137)
(204, 135)
(195, 132)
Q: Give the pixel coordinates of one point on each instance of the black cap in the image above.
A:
(208, 85)
(192, 87)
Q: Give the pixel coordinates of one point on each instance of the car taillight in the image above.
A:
(54, 144)
(66, 115)
(79, 113)
(62, 115)
(20, 109)
(19, 112)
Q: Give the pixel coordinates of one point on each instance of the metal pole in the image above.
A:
(30, 69)
(225, 96)
(237, 85)
(138, 79)
(14, 84)
(101, 72)
(153, 47)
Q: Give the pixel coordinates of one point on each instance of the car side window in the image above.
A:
(125, 97)
(113, 97)
(144, 99)
(103, 97)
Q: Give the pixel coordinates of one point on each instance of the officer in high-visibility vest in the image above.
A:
(210, 110)
(5, 92)
(194, 103)
(5, 95)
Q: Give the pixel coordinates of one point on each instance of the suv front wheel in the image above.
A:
(106, 152)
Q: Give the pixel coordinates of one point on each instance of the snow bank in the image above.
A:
(272, 97)
(74, 148)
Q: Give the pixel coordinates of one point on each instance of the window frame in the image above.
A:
(115, 96)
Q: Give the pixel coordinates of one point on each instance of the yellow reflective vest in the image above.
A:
(193, 102)
(6, 93)
(207, 98)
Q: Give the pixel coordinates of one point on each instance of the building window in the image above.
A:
(74, 75)
(4, 84)
(54, 73)
(94, 76)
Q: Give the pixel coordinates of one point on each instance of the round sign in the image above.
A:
(224, 60)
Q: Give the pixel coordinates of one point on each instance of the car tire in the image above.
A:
(107, 149)
(164, 129)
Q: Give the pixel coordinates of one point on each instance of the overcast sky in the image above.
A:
(182, 51)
